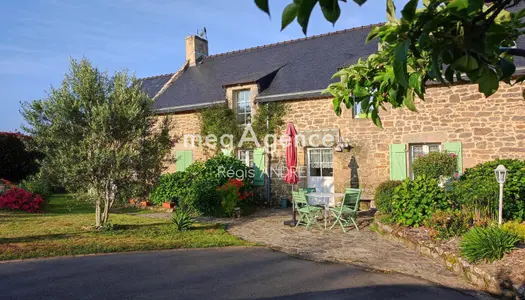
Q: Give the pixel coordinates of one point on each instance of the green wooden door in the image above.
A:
(398, 162)
(259, 166)
(184, 159)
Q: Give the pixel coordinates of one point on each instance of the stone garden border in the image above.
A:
(478, 277)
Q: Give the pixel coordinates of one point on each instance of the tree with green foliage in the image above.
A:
(99, 135)
(444, 41)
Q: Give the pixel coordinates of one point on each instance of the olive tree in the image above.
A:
(442, 41)
(99, 136)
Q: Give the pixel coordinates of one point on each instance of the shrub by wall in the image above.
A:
(385, 195)
(450, 223)
(196, 187)
(477, 189)
(436, 164)
(416, 200)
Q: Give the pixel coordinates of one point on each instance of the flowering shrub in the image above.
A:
(436, 164)
(231, 194)
(20, 199)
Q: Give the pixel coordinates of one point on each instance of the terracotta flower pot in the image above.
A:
(145, 203)
(168, 205)
(132, 201)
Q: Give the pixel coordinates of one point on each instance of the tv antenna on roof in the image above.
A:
(202, 33)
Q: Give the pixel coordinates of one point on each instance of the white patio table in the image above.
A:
(319, 198)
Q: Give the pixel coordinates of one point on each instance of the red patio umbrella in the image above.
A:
(291, 162)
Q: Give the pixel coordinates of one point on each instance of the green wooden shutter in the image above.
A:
(227, 152)
(398, 162)
(258, 162)
(184, 160)
(456, 148)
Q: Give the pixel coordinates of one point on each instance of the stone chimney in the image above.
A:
(196, 49)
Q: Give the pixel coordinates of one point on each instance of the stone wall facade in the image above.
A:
(487, 128)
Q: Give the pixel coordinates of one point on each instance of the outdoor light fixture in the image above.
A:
(501, 176)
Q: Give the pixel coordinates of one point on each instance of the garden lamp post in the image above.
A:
(501, 175)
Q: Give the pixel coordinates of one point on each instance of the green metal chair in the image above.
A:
(307, 213)
(347, 212)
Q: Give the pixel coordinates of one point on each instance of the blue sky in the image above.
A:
(37, 37)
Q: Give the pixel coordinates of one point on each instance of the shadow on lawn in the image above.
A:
(37, 238)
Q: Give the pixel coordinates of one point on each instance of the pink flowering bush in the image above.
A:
(20, 199)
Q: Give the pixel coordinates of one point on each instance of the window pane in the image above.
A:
(241, 119)
(327, 163)
(242, 155)
(315, 163)
(433, 148)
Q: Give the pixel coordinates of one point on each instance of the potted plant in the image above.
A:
(169, 204)
(145, 202)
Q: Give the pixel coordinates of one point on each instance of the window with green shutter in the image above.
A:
(398, 162)
(456, 148)
(183, 159)
(258, 166)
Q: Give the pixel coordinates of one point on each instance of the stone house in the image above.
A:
(454, 118)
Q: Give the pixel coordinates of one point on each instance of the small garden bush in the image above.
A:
(17, 162)
(38, 185)
(170, 187)
(20, 199)
(487, 243)
(196, 187)
(477, 189)
(416, 200)
(182, 219)
(450, 223)
(516, 228)
(204, 198)
(384, 195)
(436, 164)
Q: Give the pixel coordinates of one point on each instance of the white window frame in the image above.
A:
(248, 159)
(426, 150)
(247, 115)
(310, 161)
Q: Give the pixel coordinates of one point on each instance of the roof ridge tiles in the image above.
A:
(292, 41)
(157, 76)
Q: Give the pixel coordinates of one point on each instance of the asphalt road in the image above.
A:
(236, 273)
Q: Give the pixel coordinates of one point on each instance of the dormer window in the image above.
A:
(243, 107)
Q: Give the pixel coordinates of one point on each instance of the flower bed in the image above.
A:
(505, 276)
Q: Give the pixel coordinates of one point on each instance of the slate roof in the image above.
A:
(296, 69)
(290, 67)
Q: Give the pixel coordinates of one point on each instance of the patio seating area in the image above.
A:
(337, 209)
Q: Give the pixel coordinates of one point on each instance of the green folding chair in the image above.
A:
(347, 212)
(308, 214)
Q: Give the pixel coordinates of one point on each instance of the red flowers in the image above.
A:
(452, 154)
(235, 186)
(20, 199)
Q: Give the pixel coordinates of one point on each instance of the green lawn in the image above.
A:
(66, 228)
